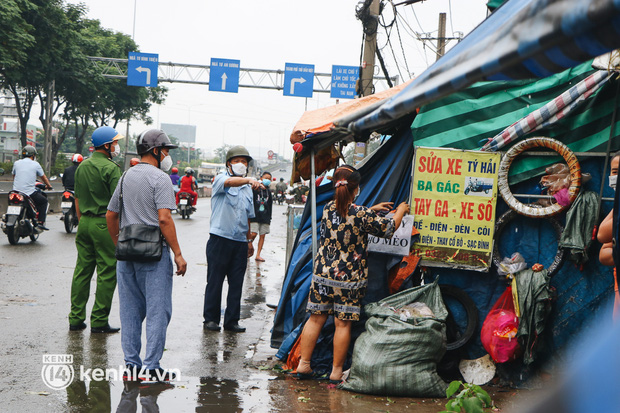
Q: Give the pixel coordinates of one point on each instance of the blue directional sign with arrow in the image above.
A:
(343, 83)
(142, 69)
(224, 75)
(298, 80)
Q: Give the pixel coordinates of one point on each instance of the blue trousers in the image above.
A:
(145, 291)
(225, 259)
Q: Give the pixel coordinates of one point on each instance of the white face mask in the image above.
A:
(239, 169)
(166, 164)
(116, 151)
(612, 181)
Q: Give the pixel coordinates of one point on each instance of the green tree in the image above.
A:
(93, 100)
(220, 153)
(42, 58)
(16, 35)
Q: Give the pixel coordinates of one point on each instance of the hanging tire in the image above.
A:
(509, 216)
(459, 337)
(538, 142)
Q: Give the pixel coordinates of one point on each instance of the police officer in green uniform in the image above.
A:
(95, 181)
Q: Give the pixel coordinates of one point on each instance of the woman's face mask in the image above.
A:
(612, 181)
(239, 169)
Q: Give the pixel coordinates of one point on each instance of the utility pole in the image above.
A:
(441, 38)
(47, 147)
(370, 49)
(366, 85)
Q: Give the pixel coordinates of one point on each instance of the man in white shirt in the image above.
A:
(25, 173)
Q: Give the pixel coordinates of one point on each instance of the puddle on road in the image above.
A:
(260, 392)
(200, 394)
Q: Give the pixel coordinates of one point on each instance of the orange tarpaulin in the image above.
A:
(322, 120)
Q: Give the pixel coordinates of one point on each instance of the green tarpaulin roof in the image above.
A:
(463, 119)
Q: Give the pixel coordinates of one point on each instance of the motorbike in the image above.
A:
(280, 198)
(185, 205)
(69, 214)
(20, 218)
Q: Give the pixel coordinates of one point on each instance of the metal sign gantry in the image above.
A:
(199, 75)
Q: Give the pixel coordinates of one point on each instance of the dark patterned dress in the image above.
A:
(341, 270)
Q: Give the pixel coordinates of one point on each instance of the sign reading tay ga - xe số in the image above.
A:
(453, 201)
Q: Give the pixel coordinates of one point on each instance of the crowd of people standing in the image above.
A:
(127, 235)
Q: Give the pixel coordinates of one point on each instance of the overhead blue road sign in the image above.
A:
(298, 80)
(224, 75)
(142, 69)
(343, 83)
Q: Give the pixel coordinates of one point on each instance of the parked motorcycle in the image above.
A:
(185, 205)
(69, 214)
(20, 218)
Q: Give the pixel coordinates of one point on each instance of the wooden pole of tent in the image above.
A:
(313, 205)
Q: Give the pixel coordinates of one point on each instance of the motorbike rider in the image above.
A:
(25, 173)
(189, 185)
(174, 177)
(68, 176)
(281, 188)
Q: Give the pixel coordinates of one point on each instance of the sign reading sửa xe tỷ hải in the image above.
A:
(453, 200)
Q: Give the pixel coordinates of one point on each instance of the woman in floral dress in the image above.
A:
(340, 268)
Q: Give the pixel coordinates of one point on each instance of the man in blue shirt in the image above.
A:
(25, 173)
(229, 243)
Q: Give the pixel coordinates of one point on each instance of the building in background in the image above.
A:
(9, 130)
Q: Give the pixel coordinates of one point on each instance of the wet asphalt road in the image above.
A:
(35, 280)
(219, 372)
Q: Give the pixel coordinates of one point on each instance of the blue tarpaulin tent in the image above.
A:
(523, 39)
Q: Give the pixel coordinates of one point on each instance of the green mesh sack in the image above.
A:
(399, 358)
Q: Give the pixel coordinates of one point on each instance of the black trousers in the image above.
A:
(40, 201)
(225, 259)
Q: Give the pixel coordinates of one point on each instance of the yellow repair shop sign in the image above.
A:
(453, 203)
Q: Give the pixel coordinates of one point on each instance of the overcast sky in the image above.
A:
(266, 35)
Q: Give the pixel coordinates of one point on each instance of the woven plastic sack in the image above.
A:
(399, 358)
(499, 330)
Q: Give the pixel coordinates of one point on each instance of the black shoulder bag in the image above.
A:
(137, 242)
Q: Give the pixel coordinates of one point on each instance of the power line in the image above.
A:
(400, 40)
(389, 43)
(450, 10)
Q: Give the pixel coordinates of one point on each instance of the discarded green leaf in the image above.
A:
(303, 399)
(39, 393)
